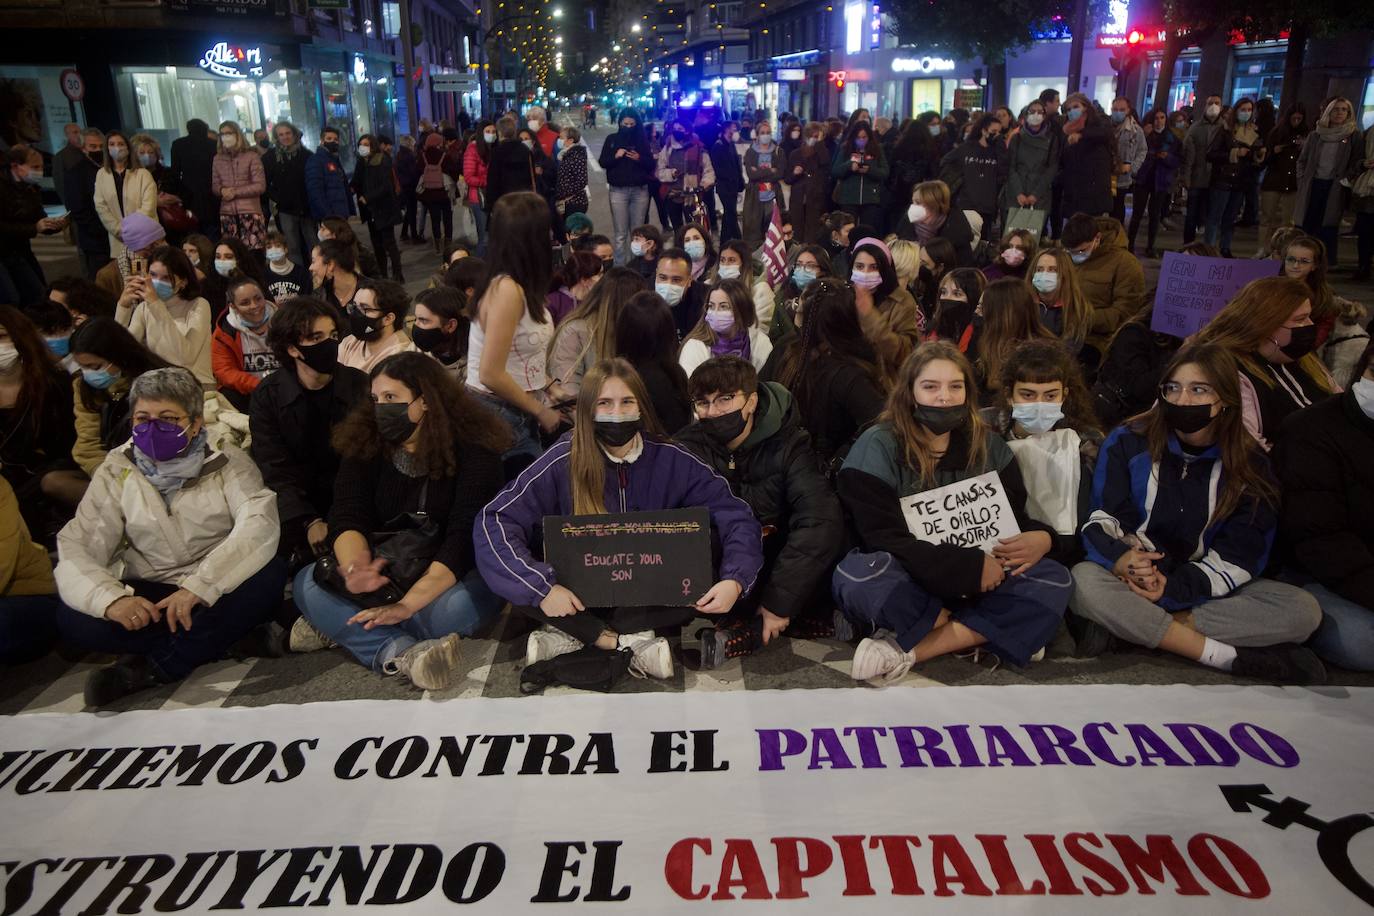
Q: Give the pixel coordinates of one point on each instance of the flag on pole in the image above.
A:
(775, 250)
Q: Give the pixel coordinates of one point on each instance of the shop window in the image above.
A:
(1183, 89)
(1104, 91)
(1367, 106)
(1025, 90)
(925, 96)
(1257, 78)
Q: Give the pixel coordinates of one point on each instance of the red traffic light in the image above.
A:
(1136, 37)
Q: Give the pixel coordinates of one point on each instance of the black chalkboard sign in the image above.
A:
(632, 560)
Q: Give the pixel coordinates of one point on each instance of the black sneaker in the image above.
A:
(129, 675)
(845, 630)
(1090, 638)
(721, 643)
(1287, 663)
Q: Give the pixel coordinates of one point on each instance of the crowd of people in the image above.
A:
(249, 437)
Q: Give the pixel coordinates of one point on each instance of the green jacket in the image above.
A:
(855, 189)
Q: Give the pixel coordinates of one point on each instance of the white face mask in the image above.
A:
(1035, 119)
(489, 136)
(729, 271)
(533, 126)
(9, 355)
(230, 141)
(915, 213)
(1364, 396)
(1213, 110)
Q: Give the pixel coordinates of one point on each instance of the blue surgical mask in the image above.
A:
(1044, 281)
(146, 160)
(803, 277)
(936, 129)
(1243, 116)
(99, 378)
(1118, 116)
(164, 289)
(224, 267)
(671, 292)
(1364, 396)
(1075, 113)
(728, 271)
(276, 254)
(1079, 257)
(60, 346)
(1038, 416)
(695, 250)
(32, 177)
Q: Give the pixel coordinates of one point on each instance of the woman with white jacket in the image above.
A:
(122, 187)
(165, 312)
(171, 557)
(728, 327)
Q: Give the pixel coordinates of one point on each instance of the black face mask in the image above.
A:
(263, 144)
(323, 357)
(725, 428)
(615, 433)
(363, 327)
(428, 339)
(332, 146)
(1186, 418)
(626, 131)
(1301, 342)
(941, 420)
(97, 158)
(394, 423)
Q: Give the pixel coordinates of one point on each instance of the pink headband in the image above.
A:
(878, 243)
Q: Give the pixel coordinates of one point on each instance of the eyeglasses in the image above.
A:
(167, 419)
(1304, 262)
(367, 311)
(725, 402)
(1172, 391)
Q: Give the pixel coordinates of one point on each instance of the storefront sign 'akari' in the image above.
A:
(232, 61)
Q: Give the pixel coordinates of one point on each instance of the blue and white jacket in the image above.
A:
(1166, 505)
(664, 476)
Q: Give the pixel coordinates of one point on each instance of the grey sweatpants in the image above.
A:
(1260, 613)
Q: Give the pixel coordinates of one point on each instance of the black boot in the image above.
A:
(1288, 663)
(129, 675)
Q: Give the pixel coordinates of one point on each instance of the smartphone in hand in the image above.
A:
(138, 266)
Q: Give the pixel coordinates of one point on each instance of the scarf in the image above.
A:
(927, 228)
(1331, 133)
(734, 346)
(169, 476)
(1074, 127)
(287, 153)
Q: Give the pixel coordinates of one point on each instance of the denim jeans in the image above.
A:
(462, 609)
(1197, 212)
(479, 219)
(1346, 634)
(629, 208)
(213, 629)
(528, 444)
(301, 236)
(1222, 211)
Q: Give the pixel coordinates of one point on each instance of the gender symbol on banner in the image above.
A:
(1333, 837)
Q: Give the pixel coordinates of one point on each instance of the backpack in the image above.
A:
(588, 668)
(432, 179)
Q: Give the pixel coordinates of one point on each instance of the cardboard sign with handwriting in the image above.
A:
(971, 513)
(634, 559)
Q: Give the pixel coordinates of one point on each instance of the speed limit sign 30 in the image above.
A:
(73, 86)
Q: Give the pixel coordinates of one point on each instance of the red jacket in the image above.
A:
(547, 136)
(474, 173)
(227, 361)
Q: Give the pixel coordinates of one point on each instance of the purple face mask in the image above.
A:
(860, 142)
(160, 440)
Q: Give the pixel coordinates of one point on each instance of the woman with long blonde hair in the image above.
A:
(613, 461)
(916, 594)
(587, 335)
(1268, 329)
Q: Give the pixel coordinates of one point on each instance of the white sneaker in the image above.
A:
(305, 637)
(429, 664)
(879, 656)
(1038, 655)
(549, 642)
(653, 657)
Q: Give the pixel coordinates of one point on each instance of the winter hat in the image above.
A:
(139, 231)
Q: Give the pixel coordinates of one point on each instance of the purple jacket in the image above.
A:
(665, 476)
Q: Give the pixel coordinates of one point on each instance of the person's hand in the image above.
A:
(633, 154)
(317, 534)
(363, 576)
(1021, 200)
(1074, 138)
(621, 152)
(798, 170)
(720, 598)
(549, 419)
(773, 625)
(1030, 200)
(1136, 565)
(1153, 589)
(166, 200)
(226, 193)
(1243, 151)
(44, 226)
(1125, 168)
(538, 170)
(388, 615)
(993, 574)
(561, 602)
(134, 292)
(178, 606)
(132, 612)
(1018, 554)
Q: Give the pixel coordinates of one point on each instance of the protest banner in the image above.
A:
(1192, 289)
(1195, 800)
(970, 513)
(634, 559)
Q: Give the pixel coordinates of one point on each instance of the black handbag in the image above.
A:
(588, 668)
(408, 543)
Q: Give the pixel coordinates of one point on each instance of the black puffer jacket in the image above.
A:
(1325, 461)
(1128, 380)
(776, 473)
(375, 181)
(510, 169)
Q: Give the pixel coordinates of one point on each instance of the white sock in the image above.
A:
(1217, 654)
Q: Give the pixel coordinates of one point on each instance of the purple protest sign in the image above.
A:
(1192, 290)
